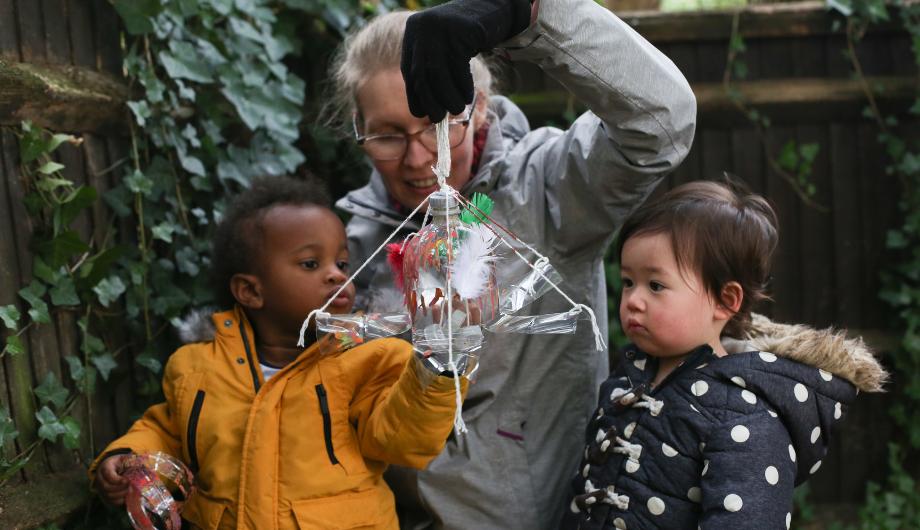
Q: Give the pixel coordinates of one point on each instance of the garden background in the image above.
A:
(125, 125)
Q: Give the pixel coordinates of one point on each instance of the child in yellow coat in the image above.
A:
(280, 437)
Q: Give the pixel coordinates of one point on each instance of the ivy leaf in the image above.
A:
(64, 292)
(137, 182)
(14, 345)
(105, 364)
(149, 362)
(141, 111)
(71, 433)
(33, 294)
(188, 261)
(163, 231)
(138, 14)
(896, 239)
(182, 62)
(51, 427)
(83, 376)
(809, 152)
(788, 158)
(109, 289)
(51, 167)
(8, 431)
(49, 184)
(78, 200)
(97, 267)
(10, 316)
(51, 391)
(59, 249)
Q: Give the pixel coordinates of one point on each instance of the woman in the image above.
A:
(564, 192)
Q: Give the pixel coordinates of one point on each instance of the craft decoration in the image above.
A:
(158, 486)
(447, 271)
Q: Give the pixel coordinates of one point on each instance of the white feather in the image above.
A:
(473, 262)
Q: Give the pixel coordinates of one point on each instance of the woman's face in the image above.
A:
(384, 109)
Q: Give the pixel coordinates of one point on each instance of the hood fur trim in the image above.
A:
(197, 326)
(827, 349)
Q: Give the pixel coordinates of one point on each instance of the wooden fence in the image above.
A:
(60, 68)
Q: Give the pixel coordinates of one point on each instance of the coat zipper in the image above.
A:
(191, 435)
(327, 422)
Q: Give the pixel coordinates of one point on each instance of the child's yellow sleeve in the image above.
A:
(403, 413)
(156, 430)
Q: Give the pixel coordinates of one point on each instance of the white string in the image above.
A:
(442, 171)
(306, 322)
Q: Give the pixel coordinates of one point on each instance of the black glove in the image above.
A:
(439, 43)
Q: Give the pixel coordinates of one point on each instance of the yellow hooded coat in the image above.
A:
(305, 449)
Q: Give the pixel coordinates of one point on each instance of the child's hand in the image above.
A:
(112, 486)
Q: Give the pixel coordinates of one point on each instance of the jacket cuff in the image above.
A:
(99, 459)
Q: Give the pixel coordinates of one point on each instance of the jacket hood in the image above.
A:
(508, 126)
(826, 349)
(808, 395)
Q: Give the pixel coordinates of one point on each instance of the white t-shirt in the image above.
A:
(269, 371)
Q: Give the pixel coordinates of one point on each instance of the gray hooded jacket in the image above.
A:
(564, 193)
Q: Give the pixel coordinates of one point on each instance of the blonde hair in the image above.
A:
(374, 48)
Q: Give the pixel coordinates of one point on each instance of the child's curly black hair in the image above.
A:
(238, 236)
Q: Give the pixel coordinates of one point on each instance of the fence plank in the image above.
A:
(848, 261)
(57, 36)
(82, 37)
(18, 371)
(31, 31)
(9, 31)
(108, 45)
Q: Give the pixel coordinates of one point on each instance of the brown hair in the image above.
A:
(721, 231)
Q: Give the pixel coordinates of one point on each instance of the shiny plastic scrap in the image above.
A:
(158, 487)
(350, 330)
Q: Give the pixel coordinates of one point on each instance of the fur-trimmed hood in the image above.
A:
(827, 349)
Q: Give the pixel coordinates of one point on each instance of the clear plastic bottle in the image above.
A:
(429, 266)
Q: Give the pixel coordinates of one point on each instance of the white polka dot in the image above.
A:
(694, 494)
(699, 388)
(599, 436)
(668, 450)
(732, 502)
(772, 475)
(632, 465)
(619, 524)
(772, 413)
(655, 506)
(838, 411)
(740, 433)
(639, 363)
(815, 467)
(738, 381)
(815, 434)
(584, 471)
(617, 392)
(574, 507)
(748, 396)
(792, 452)
(704, 365)
(628, 430)
(702, 446)
(788, 519)
(695, 409)
(705, 467)
(801, 393)
(825, 375)
(767, 356)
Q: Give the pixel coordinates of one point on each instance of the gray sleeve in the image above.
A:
(640, 124)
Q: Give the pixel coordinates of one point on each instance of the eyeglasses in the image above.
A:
(392, 146)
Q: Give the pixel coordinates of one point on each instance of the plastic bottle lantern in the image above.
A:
(449, 283)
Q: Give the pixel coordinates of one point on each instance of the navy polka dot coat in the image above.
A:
(721, 442)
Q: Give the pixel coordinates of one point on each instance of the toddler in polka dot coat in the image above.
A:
(697, 429)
